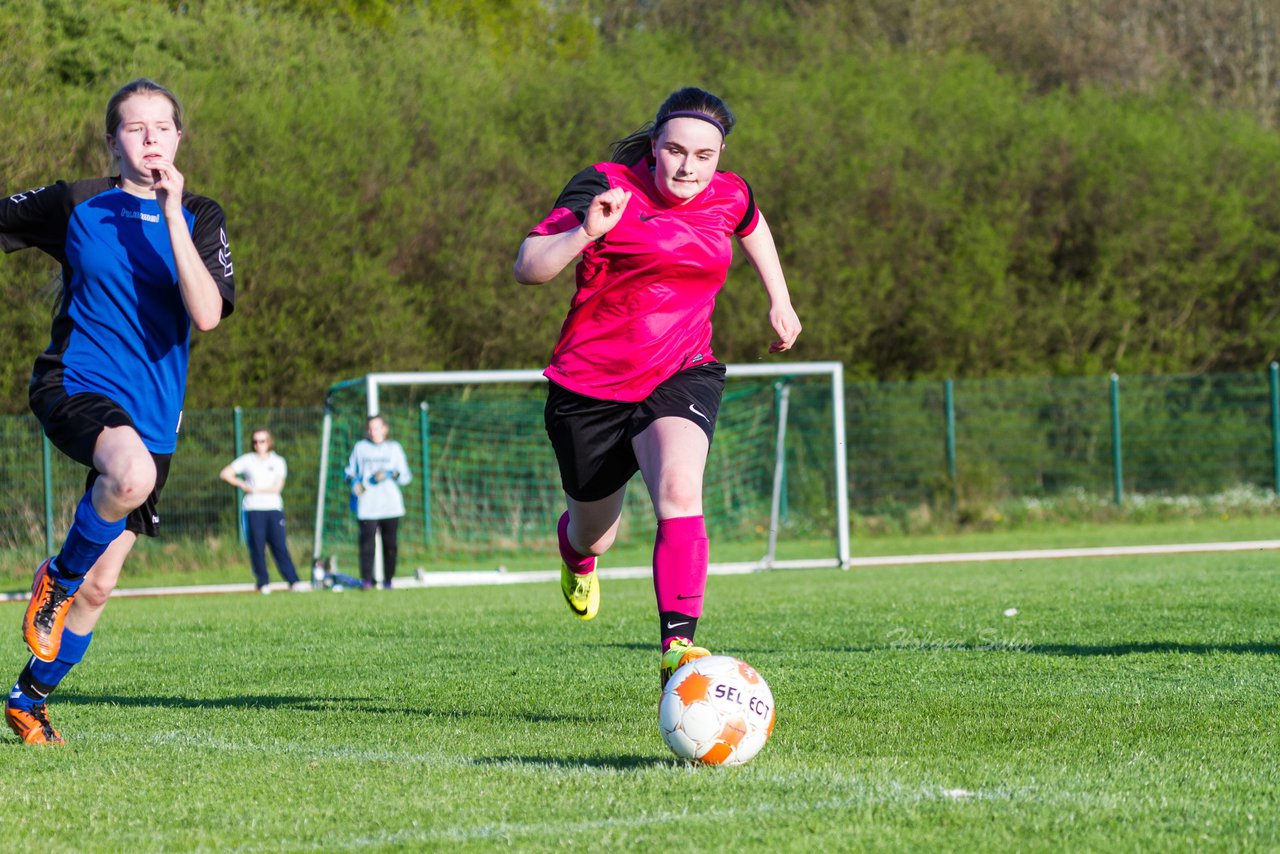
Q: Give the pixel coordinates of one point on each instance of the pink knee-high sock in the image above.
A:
(577, 563)
(680, 555)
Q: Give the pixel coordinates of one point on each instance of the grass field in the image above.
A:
(1131, 704)
(168, 562)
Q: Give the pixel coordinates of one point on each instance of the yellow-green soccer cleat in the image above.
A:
(582, 592)
(680, 653)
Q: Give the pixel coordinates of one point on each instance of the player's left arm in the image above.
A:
(401, 473)
(763, 255)
(203, 298)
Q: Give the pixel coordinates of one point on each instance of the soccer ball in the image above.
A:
(716, 710)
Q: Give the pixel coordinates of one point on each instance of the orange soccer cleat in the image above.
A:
(32, 726)
(46, 614)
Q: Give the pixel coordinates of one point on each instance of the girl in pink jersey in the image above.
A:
(634, 383)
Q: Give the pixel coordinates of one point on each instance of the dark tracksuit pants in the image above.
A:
(369, 528)
(265, 529)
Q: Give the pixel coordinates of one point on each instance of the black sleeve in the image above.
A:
(37, 218)
(209, 234)
(751, 208)
(581, 189)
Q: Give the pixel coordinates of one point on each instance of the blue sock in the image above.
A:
(39, 678)
(88, 538)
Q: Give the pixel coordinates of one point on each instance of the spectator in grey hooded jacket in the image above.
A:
(376, 471)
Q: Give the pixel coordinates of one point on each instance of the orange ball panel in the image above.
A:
(717, 754)
(735, 729)
(693, 688)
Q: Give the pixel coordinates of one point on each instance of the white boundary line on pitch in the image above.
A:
(479, 578)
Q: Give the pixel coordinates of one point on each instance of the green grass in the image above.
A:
(1080, 534)
(222, 560)
(1131, 704)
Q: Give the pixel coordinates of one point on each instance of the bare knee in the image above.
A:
(592, 540)
(676, 499)
(593, 525)
(131, 481)
(94, 593)
(599, 545)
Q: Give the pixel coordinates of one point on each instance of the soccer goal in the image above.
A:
(486, 491)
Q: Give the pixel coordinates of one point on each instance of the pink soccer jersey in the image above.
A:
(646, 290)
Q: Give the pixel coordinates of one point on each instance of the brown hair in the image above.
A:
(271, 439)
(690, 99)
(141, 86)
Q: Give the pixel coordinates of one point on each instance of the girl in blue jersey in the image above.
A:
(142, 261)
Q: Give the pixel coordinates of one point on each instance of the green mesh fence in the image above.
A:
(493, 485)
(1195, 435)
(1032, 437)
(897, 443)
(1177, 435)
(195, 503)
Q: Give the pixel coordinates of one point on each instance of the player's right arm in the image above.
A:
(543, 256)
(231, 476)
(588, 208)
(353, 471)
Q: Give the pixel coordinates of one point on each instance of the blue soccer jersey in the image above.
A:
(121, 329)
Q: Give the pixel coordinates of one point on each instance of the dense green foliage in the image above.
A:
(1128, 705)
(946, 201)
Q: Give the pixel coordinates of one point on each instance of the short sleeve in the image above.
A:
(750, 218)
(575, 199)
(36, 218)
(209, 234)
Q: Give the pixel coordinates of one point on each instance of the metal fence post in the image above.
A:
(1275, 424)
(237, 418)
(1116, 457)
(949, 402)
(424, 437)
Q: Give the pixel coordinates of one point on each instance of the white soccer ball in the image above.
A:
(716, 710)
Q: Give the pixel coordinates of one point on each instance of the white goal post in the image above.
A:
(370, 394)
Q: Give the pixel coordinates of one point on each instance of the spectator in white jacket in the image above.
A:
(260, 476)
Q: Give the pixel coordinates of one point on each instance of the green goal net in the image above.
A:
(486, 492)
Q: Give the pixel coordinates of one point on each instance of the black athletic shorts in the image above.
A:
(73, 424)
(592, 437)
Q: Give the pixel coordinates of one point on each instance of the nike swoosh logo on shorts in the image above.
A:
(694, 409)
(644, 218)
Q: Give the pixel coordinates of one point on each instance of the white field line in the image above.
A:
(479, 578)
(1043, 554)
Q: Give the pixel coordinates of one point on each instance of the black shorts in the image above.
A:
(73, 424)
(592, 437)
